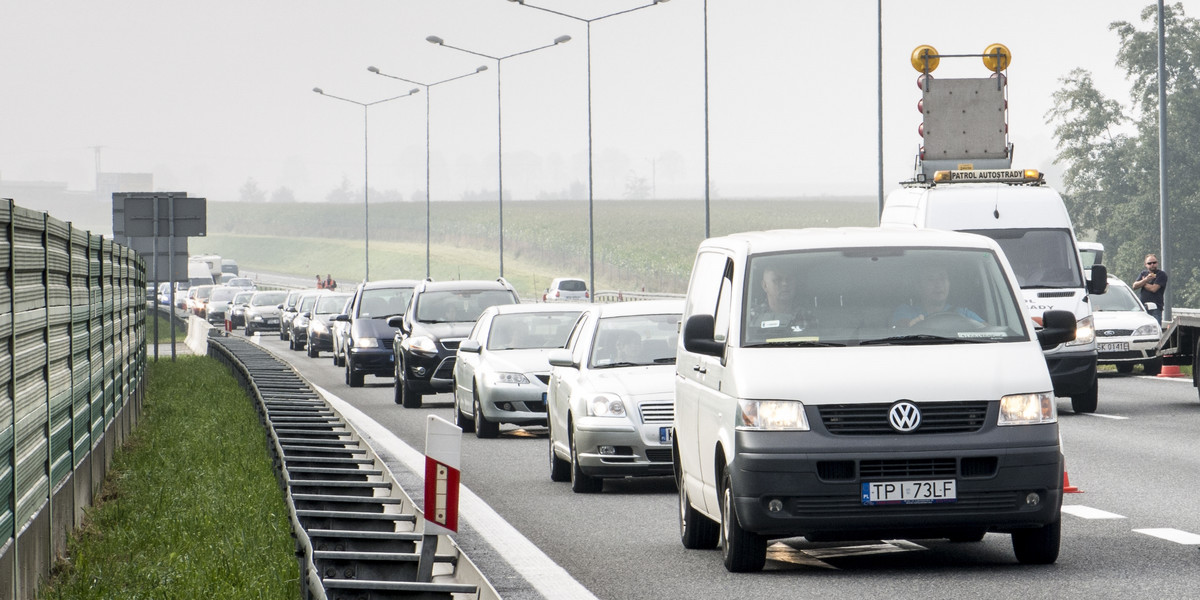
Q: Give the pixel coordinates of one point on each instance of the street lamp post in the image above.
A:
(591, 194)
(428, 100)
(366, 171)
(562, 39)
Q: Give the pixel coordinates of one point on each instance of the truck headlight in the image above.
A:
(772, 415)
(605, 405)
(1028, 409)
(1085, 332)
(511, 378)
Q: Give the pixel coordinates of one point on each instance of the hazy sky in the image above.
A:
(208, 95)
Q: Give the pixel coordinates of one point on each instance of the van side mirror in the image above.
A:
(1098, 284)
(1058, 327)
(698, 336)
(397, 321)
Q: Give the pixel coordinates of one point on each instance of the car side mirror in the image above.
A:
(1058, 327)
(698, 336)
(306, 314)
(341, 318)
(1098, 284)
(561, 358)
(471, 346)
(396, 321)
(1151, 306)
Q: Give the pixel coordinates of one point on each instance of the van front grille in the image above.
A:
(936, 417)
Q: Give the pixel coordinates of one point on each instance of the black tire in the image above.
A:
(335, 358)
(968, 536)
(397, 396)
(1125, 367)
(249, 331)
(1038, 546)
(408, 398)
(1152, 366)
(560, 470)
(283, 332)
(484, 429)
(312, 351)
(1087, 401)
(743, 551)
(696, 531)
(581, 483)
(353, 379)
(460, 418)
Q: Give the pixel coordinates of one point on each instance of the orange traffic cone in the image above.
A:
(1067, 487)
(1170, 371)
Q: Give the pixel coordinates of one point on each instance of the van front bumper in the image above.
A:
(820, 491)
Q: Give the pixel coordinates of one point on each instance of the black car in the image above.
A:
(368, 347)
(440, 315)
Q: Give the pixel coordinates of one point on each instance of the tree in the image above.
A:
(283, 195)
(1110, 151)
(250, 192)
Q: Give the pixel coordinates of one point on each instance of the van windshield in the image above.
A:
(870, 296)
(1040, 258)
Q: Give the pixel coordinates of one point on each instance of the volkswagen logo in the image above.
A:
(905, 417)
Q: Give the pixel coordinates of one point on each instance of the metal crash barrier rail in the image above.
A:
(358, 534)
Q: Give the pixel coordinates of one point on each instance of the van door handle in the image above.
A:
(699, 369)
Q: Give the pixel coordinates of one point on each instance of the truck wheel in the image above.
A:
(696, 531)
(744, 551)
(1038, 546)
(1086, 402)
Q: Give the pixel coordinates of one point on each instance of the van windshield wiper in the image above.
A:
(918, 339)
(795, 344)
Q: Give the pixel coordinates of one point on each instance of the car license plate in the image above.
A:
(664, 435)
(909, 492)
(1113, 347)
(272, 321)
(543, 398)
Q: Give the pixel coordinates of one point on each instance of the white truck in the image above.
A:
(1180, 343)
(964, 181)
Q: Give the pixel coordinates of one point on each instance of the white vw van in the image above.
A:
(863, 383)
(1030, 222)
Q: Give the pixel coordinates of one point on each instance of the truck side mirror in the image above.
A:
(1058, 327)
(1098, 284)
(698, 336)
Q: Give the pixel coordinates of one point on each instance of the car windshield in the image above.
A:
(267, 298)
(307, 302)
(223, 294)
(459, 306)
(1117, 298)
(519, 331)
(378, 303)
(879, 296)
(330, 304)
(243, 297)
(634, 341)
(1039, 257)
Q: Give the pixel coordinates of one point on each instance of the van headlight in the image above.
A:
(366, 342)
(1085, 332)
(605, 405)
(1028, 409)
(771, 415)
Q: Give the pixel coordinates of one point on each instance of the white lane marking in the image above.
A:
(1172, 535)
(1087, 512)
(1114, 417)
(545, 575)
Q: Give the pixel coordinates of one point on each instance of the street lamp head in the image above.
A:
(319, 91)
(433, 39)
(659, 1)
(413, 91)
(518, 1)
(562, 39)
(373, 69)
(481, 69)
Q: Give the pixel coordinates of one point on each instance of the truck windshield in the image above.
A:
(1041, 258)
(879, 296)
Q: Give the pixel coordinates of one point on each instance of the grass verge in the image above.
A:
(191, 507)
(164, 329)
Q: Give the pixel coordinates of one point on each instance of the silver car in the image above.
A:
(611, 396)
(500, 372)
(263, 311)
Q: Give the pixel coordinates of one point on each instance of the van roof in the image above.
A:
(982, 206)
(758, 242)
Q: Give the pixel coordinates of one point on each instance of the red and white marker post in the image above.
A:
(443, 453)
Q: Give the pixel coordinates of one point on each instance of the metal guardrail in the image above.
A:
(72, 367)
(357, 531)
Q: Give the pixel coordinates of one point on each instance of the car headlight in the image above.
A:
(1149, 329)
(1085, 332)
(511, 378)
(366, 342)
(421, 343)
(319, 326)
(772, 415)
(1028, 409)
(605, 405)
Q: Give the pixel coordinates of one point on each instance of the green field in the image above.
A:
(639, 245)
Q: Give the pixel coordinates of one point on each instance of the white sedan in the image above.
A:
(611, 397)
(500, 370)
(1126, 334)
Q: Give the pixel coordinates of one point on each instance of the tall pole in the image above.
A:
(1162, 157)
(366, 171)
(591, 189)
(562, 39)
(707, 183)
(879, 95)
(428, 101)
